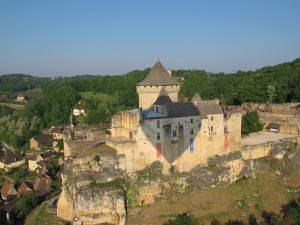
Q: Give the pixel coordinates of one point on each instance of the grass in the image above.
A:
(105, 98)
(239, 200)
(167, 216)
(117, 183)
(13, 106)
(40, 216)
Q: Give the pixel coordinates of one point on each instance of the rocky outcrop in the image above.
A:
(219, 171)
(92, 191)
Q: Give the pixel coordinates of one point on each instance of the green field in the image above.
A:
(13, 106)
(101, 96)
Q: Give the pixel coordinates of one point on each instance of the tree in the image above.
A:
(251, 123)
(25, 205)
(270, 92)
(183, 219)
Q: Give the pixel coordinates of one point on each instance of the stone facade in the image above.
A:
(149, 94)
(179, 134)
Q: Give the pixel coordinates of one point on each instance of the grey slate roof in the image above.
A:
(273, 126)
(149, 114)
(158, 76)
(181, 109)
(209, 108)
(163, 98)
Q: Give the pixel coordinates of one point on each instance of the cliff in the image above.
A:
(92, 191)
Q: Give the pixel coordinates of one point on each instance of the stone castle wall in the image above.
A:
(149, 94)
(261, 150)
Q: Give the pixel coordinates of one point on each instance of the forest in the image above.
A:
(58, 96)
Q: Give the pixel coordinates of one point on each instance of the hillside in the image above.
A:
(57, 97)
(20, 82)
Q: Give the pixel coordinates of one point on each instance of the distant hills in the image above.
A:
(235, 88)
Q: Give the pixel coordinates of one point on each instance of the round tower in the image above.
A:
(149, 88)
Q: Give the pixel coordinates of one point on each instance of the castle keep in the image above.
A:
(179, 134)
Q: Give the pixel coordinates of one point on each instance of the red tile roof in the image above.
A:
(26, 188)
(8, 189)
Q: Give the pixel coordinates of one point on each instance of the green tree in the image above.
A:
(183, 219)
(251, 123)
(25, 205)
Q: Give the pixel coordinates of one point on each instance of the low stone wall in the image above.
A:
(256, 151)
(262, 150)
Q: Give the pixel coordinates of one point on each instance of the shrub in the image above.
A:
(25, 205)
(251, 123)
(183, 219)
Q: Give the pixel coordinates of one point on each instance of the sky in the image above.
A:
(110, 37)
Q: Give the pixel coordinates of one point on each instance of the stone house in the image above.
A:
(8, 207)
(20, 98)
(39, 141)
(79, 112)
(179, 134)
(25, 188)
(58, 133)
(34, 159)
(8, 191)
(12, 160)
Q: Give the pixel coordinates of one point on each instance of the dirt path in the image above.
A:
(263, 137)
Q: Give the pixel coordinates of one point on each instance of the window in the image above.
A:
(158, 136)
(174, 133)
(192, 120)
(130, 135)
(156, 109)
(158, 124)
(191, 131)
(211, 129)
(211, 118)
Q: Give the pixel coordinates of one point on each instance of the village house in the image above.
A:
(79, 112)
(20, 98)
(8, 191)
(33, 160)
(42, 140)
(8, 208)
(181, 135)
(25, 188)
(58, 133)
(12, 160)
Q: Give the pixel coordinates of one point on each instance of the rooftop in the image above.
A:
(43, 139)
(12, 157)
(209, 108)
(163, 98)
(181, 109)
(158, 76)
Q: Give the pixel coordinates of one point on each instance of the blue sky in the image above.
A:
(70, 37)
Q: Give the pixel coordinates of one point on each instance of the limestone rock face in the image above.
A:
(220, 171)
(147, 192)
(92, 191)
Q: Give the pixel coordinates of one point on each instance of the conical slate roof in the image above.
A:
(158, 76)
(196, 97)
(163, 98)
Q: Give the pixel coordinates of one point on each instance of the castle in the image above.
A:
(179, 134)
